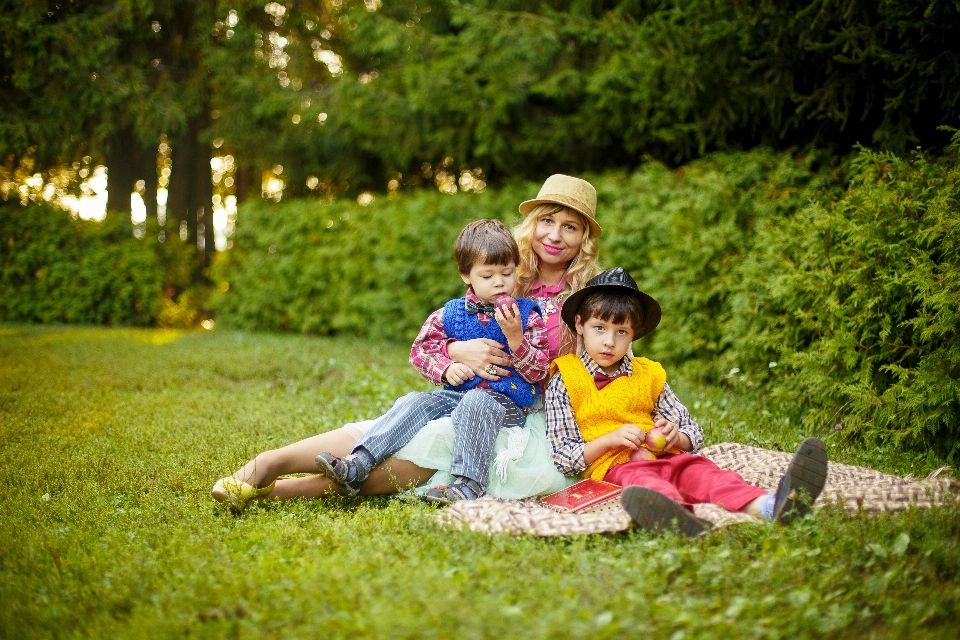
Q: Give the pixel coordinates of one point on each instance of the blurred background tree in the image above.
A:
(330, 97)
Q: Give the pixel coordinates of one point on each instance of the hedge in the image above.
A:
(830, 288)
(55, 268)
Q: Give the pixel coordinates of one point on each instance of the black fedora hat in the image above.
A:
(615, 281)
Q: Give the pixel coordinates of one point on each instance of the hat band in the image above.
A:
(567, 201)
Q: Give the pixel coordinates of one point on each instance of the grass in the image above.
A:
(111, 439)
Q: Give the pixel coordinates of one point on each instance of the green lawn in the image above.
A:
(111, 439)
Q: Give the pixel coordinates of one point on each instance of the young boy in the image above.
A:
(600, 404)
(486, 256)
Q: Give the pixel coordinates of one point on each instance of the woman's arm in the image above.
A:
(478, 354)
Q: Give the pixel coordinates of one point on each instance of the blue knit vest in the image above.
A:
(464, 326)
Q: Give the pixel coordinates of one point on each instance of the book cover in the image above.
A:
(586, 495)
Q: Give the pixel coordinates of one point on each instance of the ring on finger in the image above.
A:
(492, 370)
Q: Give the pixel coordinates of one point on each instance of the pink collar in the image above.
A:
(553, 289)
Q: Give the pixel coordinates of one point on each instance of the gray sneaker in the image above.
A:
(654, 511)
(806, 474)
(346, 472)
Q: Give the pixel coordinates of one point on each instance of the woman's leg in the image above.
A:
(390, 477)
(299, 457)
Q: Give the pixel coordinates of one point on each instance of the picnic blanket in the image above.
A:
(858, 489)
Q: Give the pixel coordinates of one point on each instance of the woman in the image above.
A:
(558, 254)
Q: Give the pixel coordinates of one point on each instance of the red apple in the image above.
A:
(642, 454)
(655, 440)
(505, 304)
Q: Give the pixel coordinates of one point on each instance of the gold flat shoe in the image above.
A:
(238, 494)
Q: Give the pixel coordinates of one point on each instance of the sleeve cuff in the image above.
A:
(694, 447)
(443, 350)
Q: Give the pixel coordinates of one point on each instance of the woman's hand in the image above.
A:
(675, 439)
(479, 354)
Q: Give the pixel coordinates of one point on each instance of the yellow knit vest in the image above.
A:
(626, 400)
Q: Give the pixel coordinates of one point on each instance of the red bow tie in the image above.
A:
(603, 379)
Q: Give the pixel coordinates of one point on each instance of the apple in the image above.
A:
(505, 304)
(642, 454)
(655, 440)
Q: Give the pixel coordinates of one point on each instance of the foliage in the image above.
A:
(54, 268)
(829, 287)
(572, 87)
(355, 94)
(857, 298)
(107, 467)
(684, 234)
(371, 271)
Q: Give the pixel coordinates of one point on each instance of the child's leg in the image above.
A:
(389, 434)
(403, 421)
(477, 421)
(700, 480)
(652, 474)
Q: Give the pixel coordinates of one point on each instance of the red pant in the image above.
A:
(687, 479)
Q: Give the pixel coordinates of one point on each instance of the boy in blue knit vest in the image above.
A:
(486, 256)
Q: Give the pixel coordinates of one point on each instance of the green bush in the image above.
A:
(831, 288)
(54, 268)
(857, 300)
(378, 270)
(684, 234)
(375, 270)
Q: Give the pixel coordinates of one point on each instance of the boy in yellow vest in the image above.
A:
(600, 405)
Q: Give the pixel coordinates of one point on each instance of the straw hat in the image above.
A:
(615, 281)
(571, 192)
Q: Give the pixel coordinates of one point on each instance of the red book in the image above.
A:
(583, 497)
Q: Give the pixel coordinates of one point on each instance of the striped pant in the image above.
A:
(477, 414)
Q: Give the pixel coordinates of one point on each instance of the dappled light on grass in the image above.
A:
(159, 336)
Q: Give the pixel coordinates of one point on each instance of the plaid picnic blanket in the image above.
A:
(857, 488)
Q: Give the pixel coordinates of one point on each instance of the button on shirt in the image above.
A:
(566, 441)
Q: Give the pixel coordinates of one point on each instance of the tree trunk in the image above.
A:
(121, 169)
(201, 201)
(190, 198)
(245, 183)
(148, 173)
(178, 194)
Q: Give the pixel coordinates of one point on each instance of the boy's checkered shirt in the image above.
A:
(568, 444)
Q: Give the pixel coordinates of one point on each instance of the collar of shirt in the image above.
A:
(484, 318)
(592, 367)
(537, 289)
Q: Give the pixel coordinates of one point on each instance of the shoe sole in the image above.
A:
(327, 471)
(220, 494)
(437, 500)
(807, 473)
(653, 511)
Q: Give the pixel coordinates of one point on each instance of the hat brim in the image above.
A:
(529, 205)
(651, 308)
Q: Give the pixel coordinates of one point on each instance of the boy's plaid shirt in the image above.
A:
(568, 444)
(429, 351)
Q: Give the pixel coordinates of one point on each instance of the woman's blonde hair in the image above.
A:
(583, 266)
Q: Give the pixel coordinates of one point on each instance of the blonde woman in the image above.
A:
(558, 255)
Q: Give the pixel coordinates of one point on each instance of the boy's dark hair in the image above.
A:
(610, 306)
(485, 242)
